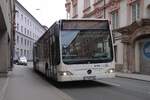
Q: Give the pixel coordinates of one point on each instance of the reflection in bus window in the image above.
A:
(86, 46)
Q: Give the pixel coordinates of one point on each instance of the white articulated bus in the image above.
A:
(75, 49)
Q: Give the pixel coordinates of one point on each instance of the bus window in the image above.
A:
(86, 46)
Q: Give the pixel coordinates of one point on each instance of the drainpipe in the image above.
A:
(104, 9)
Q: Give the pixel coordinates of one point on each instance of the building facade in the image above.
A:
(28, 30)
(130, 22)
(7, 16)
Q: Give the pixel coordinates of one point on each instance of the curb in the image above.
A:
(61, 94)
(3, 91)
(55, 91)
(134, 76)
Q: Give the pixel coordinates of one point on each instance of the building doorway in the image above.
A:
(145, 56)
(148, 11)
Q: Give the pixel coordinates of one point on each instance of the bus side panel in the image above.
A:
(55, 51)
(51, 52)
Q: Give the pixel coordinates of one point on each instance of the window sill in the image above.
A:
(98, 2)
(75, 16)
(86, 9)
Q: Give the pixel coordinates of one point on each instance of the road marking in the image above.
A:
(109, 83)
(4, 89)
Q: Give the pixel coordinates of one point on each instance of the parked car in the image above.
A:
(22, 61)
(15, 61)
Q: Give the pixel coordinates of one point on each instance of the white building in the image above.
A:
(130, 21)
(28, 30)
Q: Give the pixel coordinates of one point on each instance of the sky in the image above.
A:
(46, 11)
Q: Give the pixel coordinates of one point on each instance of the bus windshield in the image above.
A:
(86, 46)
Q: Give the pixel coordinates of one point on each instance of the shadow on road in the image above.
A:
(73, 84)
(78, 84)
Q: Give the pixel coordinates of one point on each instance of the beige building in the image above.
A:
(7, 15)
(130, 21)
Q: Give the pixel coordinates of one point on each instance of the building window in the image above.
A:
(25, 42)
(115, 19)
(30, 33)
(27, 53)
(135, 11)
(148, 11)
(28, 43)
(24, 52)
(17, 52)
(17, 13)
(25, 30)
(75, 10)
(31, 53)
(28, 21)
(25, 19)
(21, 40)
(17, 39)
(21, 29)
(33, 35)
(97, 1)
(21, 52)
(21, 17)
(86, 4)
(17, 27)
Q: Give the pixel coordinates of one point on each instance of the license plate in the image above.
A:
(89, 77)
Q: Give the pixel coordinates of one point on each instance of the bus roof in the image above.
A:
(75, 19)
(98, 19)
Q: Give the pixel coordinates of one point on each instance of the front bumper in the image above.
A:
(82, 77)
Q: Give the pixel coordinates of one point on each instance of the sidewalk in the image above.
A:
(134, 76)
(3, 86)
(22, 79)
(24, 84)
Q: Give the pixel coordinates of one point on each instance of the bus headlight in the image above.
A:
(112, 70)
(65, 73)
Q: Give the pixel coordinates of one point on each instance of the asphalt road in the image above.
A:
(107, 89)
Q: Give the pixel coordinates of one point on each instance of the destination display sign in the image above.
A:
(85, 24)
